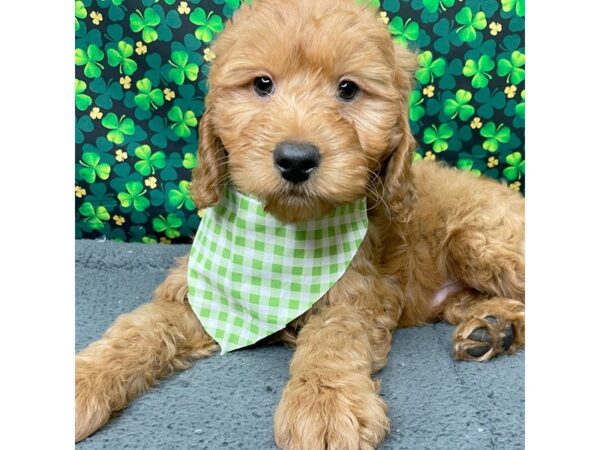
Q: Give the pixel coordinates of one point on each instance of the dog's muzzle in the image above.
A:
(296, 160)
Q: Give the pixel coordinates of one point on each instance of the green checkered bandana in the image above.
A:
(249, 274)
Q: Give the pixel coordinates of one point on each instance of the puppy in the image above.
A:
(325, 77)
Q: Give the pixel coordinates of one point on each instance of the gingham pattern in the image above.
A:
(249, 274)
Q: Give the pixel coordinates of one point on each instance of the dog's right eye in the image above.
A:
(347, 90)
(263, 86)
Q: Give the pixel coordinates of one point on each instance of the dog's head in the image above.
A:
(307, 109)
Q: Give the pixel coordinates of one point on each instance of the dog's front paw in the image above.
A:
(318, 414)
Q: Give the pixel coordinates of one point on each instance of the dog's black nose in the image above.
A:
(296, 160)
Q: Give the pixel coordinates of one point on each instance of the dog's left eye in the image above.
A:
(347, 90)
(263, 86)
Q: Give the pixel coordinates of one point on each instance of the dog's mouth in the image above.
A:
(298, 192)
(296, 202)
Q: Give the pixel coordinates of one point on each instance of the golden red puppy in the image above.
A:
(325, 77)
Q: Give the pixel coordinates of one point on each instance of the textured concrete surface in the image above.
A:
(228, 401)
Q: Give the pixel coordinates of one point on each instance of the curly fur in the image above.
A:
(428, 224)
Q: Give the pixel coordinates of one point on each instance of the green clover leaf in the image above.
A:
(208, 26)
(433, 5)
(479, 71)
(90, 58)
(118, 127)
(83, 125)
(94, 217)
(181, 68)
(403, 32)
(232, 5)
(148, 97)
(460, 106)
(438, 137)
(181, 196)
(467, 166)
(429, 68)
(182, 122)
(145, 23)
(512, 68)
(495, 136)
(120, 57)
(469, 23)
(189, 161)
(517, 5)
(520, 108)
(168, 225)
(447, 36)
(92, 167)
(134, 196)
(161, 133)
(516, 166)
(82, 101)
(416, 111)
(87, 209)
(149, 161)
(80, 13)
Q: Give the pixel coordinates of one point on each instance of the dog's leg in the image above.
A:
(135, 352)
(487, 257)
(331, 401)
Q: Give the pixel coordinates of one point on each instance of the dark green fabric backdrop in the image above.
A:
(140, 69)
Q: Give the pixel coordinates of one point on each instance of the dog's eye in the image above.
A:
(263, 86)
(347, 90)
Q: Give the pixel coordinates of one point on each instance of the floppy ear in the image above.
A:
(398, 189)
(208, 177)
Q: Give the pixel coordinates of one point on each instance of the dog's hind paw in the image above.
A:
(91, 409)
(480, 339)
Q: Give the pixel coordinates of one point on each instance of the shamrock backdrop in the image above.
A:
(141, 65)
